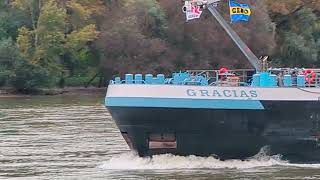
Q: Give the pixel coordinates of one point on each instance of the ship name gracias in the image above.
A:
(223, 93)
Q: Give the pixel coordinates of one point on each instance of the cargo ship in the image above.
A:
(229, 114)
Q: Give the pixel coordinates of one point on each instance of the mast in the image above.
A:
(255, 62)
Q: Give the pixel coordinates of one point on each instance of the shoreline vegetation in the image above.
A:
(82, 43)
(11, 92)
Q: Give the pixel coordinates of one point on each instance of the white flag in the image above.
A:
(195, 13)
(192, 11)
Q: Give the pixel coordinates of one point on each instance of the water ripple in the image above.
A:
(39, 140)
(76, 138)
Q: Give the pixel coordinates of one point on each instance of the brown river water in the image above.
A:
(74, 137)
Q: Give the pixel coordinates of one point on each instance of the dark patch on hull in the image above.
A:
(291, 129)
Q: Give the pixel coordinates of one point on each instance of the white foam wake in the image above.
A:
(131, 161)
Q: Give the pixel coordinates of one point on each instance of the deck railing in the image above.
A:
(238, 77)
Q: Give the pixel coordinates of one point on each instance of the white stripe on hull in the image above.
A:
(214, 92)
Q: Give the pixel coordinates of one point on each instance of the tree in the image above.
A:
(152, 36)
(51, 43)
(135, 41)
(10, 20)
(299, 39)
(83, 12)
(32, 9)
(17, 72)
(83, 16)
(8, 60)
(77, 40)
(86, 37)
(24, 43)
(43, 44)
(29, 77)
(51, 33)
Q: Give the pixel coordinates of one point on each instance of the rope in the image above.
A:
(308, 91)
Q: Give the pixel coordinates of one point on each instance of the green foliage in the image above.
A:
(43, 44)
(78, 81)
(23, 4)
(157, 20)
(297, 51)
(29, 77)
(77, 40)
(152, 16)
(82, 12)
(50, 34)
(300, 40)
(49, 43)
(30, 7)
(10, 21)
(45, 40)
(17, 72)
(9, 56)
(24, 42)
(51, 18)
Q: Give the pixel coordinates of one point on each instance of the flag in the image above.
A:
(239, 11)
(192, 11)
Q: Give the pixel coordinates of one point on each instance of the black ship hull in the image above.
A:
(289, 128)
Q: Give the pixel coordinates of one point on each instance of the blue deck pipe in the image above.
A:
(117, 80)
(287, 80)
(138, 79)
(180, 78)
(161, 78)
(148, 78)
(273, 81)
(264, 79)
(301, 82)
(129, 78)
(255, 80)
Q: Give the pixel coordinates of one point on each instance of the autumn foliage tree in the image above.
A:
(149, 36)
(298, 32)
(59, 30)
(133, 38)
(57, 38)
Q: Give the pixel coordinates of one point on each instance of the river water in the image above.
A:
(74, 137)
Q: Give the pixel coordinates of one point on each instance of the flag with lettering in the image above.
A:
(239, 11)
(193, 12)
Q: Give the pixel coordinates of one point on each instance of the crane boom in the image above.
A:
(235, 37)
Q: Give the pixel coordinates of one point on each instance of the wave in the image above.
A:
(131, 161)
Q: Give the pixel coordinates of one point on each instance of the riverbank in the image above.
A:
(10, 92)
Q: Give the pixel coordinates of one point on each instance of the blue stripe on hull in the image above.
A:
(183, 103)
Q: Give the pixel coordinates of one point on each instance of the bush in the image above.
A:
(80, 81)
(8, 56)
(4, 77)
(29, 78)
